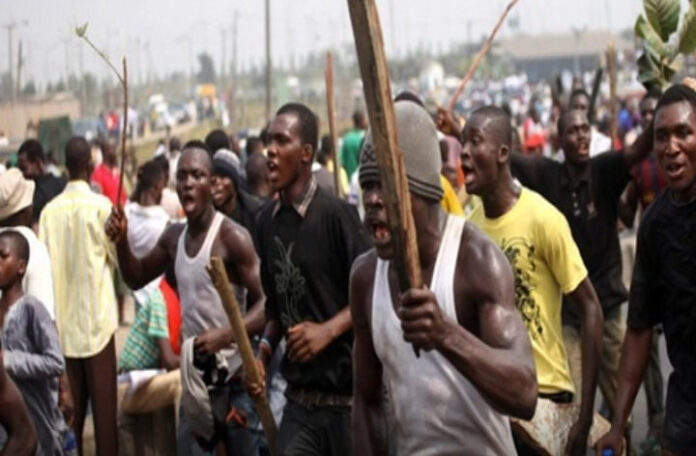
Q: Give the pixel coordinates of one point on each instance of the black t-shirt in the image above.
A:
(305, 270)
(247, 211)
(47, 187)
(591, 207)
(663, 290)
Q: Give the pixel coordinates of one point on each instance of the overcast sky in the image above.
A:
(169, 27)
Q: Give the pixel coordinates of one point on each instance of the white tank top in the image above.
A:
(201, 307)
(436, 410)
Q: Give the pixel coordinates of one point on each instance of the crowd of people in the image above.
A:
(502, 352)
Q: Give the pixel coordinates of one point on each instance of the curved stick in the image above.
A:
(479, 56)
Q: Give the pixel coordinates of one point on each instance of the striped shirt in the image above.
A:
(141, 350)
(82, 259)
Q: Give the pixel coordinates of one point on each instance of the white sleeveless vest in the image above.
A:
(436, 410)
(201, 307)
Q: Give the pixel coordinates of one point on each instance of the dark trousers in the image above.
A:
(93, 380)
(236, 425)
(318, 431)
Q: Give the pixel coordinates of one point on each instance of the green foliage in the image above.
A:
(663, 16)
(659, 60)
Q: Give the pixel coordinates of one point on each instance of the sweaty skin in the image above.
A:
(487, 343)
(233, 244)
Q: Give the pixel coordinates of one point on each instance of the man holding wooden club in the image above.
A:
(188, 248)
(475, 363)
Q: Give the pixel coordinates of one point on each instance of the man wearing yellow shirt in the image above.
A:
(82, 261)
(538, 243)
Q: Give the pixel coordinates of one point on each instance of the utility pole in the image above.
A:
(19, 69)
(233, 98)
(223, 41)
(268, 60)
(10, 67)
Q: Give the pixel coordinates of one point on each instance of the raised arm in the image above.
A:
(499, 361)
(138, 272)
(21, 435)
(369, 428)
(641, 148)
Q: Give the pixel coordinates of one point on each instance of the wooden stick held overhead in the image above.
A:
(218, 274)
(331, 113)
(380, 107)
(477, 59)
(124, 133)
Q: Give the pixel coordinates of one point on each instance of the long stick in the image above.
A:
(613, 108)
(479, 56)
(592, 111)
(124, 132)
(375, 77)
(218, 274)
(331, 112)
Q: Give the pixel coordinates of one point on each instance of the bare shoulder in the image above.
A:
(479, 257)
(236, 239)
(171, 234)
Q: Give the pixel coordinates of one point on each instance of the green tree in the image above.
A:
(664, 40)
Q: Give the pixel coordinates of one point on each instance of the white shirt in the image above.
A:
(145, 226)
(38, 280)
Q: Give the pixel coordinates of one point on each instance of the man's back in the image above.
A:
(72, 227)
(535, 238)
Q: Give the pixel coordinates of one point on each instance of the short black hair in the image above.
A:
(499, 122)
(149, 175)
(252, 143)
(77, 156)
(562, 119)
(256, 169)
(174, 143)
(216, 140)
(18, 242)
(163, 162)
(358, 118)
(307, 120)
(578, 92)
(33, 149)
(676, 94)
(198, 144)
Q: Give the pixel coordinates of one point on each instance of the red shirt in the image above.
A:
(107, 180)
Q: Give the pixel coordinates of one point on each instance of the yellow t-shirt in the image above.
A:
(537, 241)
(450, 201)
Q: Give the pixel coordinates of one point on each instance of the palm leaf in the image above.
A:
(663, 16)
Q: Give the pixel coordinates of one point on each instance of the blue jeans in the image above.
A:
(239, 431)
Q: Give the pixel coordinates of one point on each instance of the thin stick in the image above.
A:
(331, 112)
(479, 56)
(378, 98)
(218, 274)
(124, 132)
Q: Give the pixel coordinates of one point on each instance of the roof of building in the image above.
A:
(534, 47)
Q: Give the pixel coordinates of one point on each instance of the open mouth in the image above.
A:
(584, 150)
(674, 170)
(380, 232)
(272, 170)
